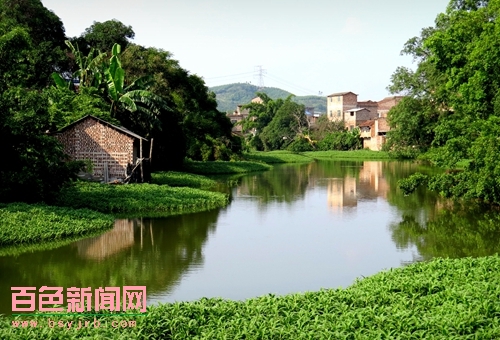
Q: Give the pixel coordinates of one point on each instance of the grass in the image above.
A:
(355, 154)
(279, 156)
(219, 167)
(24, 224)
(147, 200)
(441, 299)
(181, 179)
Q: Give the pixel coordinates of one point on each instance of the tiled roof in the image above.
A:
(369, 123)
(340, 94)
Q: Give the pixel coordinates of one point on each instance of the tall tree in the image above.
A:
(103, 35)
(46, 35)
(455, 92)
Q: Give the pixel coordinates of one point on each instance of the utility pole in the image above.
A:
(260, 72)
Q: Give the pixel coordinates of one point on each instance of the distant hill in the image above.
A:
(231, 95)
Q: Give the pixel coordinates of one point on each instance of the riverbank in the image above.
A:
(220, 167)
(279, 156)
(444, 299)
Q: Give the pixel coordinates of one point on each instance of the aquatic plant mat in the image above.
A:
(24, 224)
(182, 179)
(355, 155)
(279, 156)
(441, 299)
(220, 167)
(140, 199)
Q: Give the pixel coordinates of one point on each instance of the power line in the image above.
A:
(287, 83)
(230, 75)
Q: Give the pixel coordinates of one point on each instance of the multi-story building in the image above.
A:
(369, 116)
(338, 103)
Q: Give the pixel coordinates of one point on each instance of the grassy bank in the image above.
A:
(279, 156)
(218, 167)
(140, 199)
(23, 224)
(442, 299)
(355, 154)
(181, 179)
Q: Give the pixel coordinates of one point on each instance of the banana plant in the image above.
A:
(128, 97)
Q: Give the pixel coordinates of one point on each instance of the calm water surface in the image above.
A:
(295, 228)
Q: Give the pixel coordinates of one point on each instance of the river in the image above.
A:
(296, 228)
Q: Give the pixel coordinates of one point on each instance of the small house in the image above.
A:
(113, 150)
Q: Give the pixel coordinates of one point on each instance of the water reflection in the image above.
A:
(153, 252)
(454, 230)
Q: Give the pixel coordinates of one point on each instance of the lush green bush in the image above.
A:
(278, 156)
(345, 140)
(300, 145)
(232, 167)
(182, 179)
(25, 224)
(140, 199)
(441, 299)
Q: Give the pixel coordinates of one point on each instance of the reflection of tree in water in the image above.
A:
(285, 183)
(153, 252)
(455, 231)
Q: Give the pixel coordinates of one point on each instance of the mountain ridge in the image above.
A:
(229, 96)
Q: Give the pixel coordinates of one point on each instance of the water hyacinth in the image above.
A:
(441, 299)
(182, 179)
(140, 199)
(278, 156)
(26, 224)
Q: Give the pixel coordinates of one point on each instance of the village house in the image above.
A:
(369, 116)
(239, 114)
(113, 150)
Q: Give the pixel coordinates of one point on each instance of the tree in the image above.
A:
(288, 122)
(103, 35)
(34, 167)
(455, 91)
(193, 109)
(46, 39)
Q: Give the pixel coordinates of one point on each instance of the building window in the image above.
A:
(331, 113)
(338, 113)
(351, 127)
(352, 114)
(338, 98)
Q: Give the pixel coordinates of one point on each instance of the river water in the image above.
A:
(296, 228)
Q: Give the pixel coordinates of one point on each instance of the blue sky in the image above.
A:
(304, 46)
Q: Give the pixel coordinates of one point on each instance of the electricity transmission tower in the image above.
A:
(259, 74)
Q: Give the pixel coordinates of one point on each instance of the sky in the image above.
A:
(305, 47)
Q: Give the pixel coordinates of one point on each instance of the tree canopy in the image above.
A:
(452, 110)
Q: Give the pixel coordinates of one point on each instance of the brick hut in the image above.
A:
(113, 150)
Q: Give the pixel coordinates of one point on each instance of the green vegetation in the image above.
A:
(182, 179)
(231, 95)
(141, 89)
(452, 108)
(140, 199)
(277, 156)
(25, 224)
(355, 154)
(441, 299)
(232, 167)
